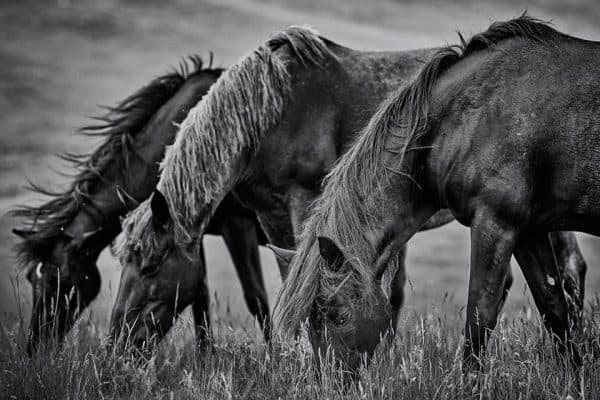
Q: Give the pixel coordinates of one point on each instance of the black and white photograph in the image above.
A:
(299, 199)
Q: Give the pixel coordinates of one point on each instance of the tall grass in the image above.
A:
(423, 361)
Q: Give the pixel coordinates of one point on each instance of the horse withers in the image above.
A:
(64, 237)
(502, 130)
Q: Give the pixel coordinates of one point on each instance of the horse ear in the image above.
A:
(23, 233)
(284, 258)
(330, 252)
(160, 209)
(67, 235)
(129, 201)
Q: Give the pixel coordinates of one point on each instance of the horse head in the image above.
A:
(64, 280)
(346, 318)
(156, 283)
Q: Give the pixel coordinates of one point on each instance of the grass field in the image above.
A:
(58, 60)
(423, 362)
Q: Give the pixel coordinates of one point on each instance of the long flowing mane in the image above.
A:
(227, 125)
(345, 210)
(119, 125)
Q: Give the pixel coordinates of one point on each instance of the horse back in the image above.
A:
(330, 106)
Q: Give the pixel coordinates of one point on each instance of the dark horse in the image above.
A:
(65, 236)
(502, 130)
(270, 129)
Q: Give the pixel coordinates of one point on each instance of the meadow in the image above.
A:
(423, 361)
(60, 59)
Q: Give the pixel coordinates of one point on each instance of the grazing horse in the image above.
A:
(270, 129)
(65, 236)
(502, 130)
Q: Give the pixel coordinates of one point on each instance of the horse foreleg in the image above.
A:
(241, 239)
(397, 287)
(201, 307)
(507, 285)
(492, 243)
(535, 255)
(572, 268)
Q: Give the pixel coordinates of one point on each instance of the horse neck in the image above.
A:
(122, 188)
(110, 199)
(401, 206)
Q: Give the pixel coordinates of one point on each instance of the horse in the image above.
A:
(270, 129)
(63, 238)
(503, 130)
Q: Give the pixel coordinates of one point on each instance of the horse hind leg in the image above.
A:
(535, 255)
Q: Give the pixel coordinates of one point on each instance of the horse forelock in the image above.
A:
(119, 126)
(342, 212)
(136, 231)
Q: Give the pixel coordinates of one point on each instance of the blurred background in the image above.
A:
(60, 59)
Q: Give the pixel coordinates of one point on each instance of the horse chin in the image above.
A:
(157, 318)
(52, 315)
(48, 329)
(349, 352)
(349, 360)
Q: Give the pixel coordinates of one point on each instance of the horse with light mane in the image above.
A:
(504, 131)
(270, 129)
(63, 238)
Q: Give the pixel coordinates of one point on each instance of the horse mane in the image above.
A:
(362, 172)
(119, 125)
(241, 107)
